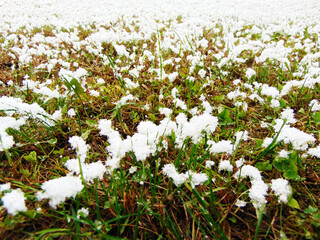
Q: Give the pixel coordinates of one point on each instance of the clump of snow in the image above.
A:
(100, 81)
(209, 164)
(250, 72)
(239, 162)
(5, 187)
(259, 188)
(284, 154)
(170, 171)
(282, 189)
(315, 105)
(196, 178)
(258, 193)
(82, 212)
(180, 178)
(299, 139)
(202, 73)
(314, 151)
(270, 91)
(248, 171)
(78, 144)
(274, 103)
(241, 135)
(221, 146)
(132, 169)
(11, 105)
(71, 112)
(94, 93)
(7, 141)
(57, 190)
(89, 171)
(165, 111)
(288, 114)
(14, 201)
(125, 99)
(225, 165)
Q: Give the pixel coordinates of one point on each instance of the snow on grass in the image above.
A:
(192, 86)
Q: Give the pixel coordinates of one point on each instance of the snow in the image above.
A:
(282, 189)
(14, 201)
(289, 17)
(57, 190)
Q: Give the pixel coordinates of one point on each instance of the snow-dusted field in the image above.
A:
(196, 14)
(209, 58)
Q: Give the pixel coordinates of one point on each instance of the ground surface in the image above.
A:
(159, 119)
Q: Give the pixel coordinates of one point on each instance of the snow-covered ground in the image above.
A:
(196, 14)
(116, 22)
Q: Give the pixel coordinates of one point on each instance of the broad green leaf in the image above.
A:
(293, 203)
(316, 117)
(291, 174)
(242, 114)
(225, 116)
(77, 87)
(264, 166)
(32, 157)
(310, 209)
(52, 141)
(85, 135)
(281, 164)
(91, 122)
(294, 157)
(219, 98)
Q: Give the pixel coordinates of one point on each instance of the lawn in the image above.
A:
(159, 120)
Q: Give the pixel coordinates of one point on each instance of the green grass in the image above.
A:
(146, 204)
